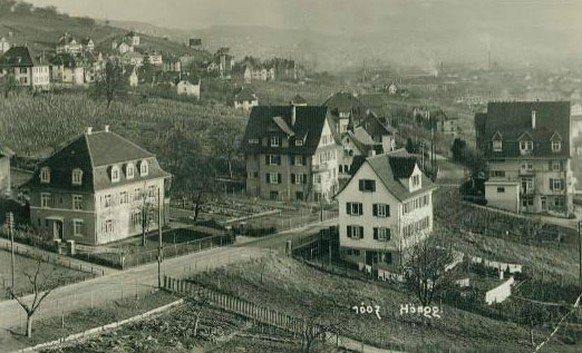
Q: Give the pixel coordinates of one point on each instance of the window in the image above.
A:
(273, 178)
(527, 166)
(77, 177)
(123, 198)
(77, 202)
(352, 252)
(151, 191)
(108, 201)
(143, 168)
(556, 184)
(109, 226)
(382, 233)
(526, 146)
(129, 171)
(556, 146)
(253, 141)
(78, 228)
(273, 159)
(114, 174)
(136, 194)
(275, 141)
(298, 142)
(136, 218)
(45, 175)
(23, 70)
(416, 180)
(298, 160)
(317, 179)
(500, 190)
(24, 80)
(497, 146)
(559, 202)
(381, 210)
(497, 173)
(355, 232)
(45, 200)
(354, 208)
(556, 166)
(297, 179)
(367, 185)
(387, 258)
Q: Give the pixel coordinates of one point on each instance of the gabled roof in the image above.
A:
(245, 94)
(20, 56)
(393, 166)
(344, 102)
(514, 120)
(66, 39)
(497, 136)
(556, 137)
(309, 123)
(298, 100)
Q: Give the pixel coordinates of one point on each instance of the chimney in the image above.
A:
(89, 130)
(293, 114)
(533, 119)
(106, 128)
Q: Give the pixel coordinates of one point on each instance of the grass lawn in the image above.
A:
(286, 285)
(50, 275)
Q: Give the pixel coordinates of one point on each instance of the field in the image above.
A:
(50, 275)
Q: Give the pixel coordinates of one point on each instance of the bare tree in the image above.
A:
(147, 213)
(424, 269)
(197, 305)
(111, 82)
(41, 288)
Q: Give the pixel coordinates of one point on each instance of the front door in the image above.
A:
(58, 230)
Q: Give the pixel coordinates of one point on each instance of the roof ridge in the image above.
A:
(131, 143)
(90, 158)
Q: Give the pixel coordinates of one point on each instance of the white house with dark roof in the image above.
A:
(93, 189)
(245, 99)
(385, 208)
(29, 69)
(188, 86)
(527, 146)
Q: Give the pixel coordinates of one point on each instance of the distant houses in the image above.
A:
(245, 99)
(188, 86)
(29, 69)
(4, 45)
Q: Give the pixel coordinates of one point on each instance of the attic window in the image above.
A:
(526, 146)
(275, 141)
(556, 146)
(45, 175)
(143, 168)
(497, 146)
(298, 142)
(77, 177)
(367, 185)
(114, 174)
(130, 171)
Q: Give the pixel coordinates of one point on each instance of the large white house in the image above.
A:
(385, 208)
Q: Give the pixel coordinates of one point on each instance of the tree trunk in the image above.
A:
(29, 326)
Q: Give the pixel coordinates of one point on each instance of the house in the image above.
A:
(29, 69)
(5, 155)
(132, 58)
(527, 148)
(4, 45)
(245, 99)
(171, 64)
(385, 208)
(154, 58)
(67, 69)
(122, 47)
(188, 86)
(356, 142)
(445, 125)
(87, 44)
(132, 39)
(345, 107)
(392, 89)
(223, 63)
(291, 153)
(284, 69)
(94, 190)
(69, 45)
(94, 64)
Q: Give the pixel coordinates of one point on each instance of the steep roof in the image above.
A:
(344, 102)
(245, 94)
(94, 153)
(309, 124)
(19, 56)
(514, 120)
(298, 100)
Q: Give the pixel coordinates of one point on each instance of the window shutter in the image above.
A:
(551, 184)
(361, 232)
(349, 229)
(267, 161)
(348, 208)
(375, 210)
(267, 178)
(375, 233)
(279, 178)
(387, 210)
(292, 178)
(360, 209)
(278, 160)
(361, 185)
(304, 160)
(304, 178)
(388, 234)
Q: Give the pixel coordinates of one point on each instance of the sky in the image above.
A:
(335, 16)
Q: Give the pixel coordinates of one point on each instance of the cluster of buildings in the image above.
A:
(78, 63)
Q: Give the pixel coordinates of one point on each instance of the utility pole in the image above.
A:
(580, 252)
(10, 221)
(160, 215)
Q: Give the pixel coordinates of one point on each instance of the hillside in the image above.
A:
(41, 31)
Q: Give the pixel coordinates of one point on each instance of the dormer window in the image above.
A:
(497, 146)
(526, 146)
(298, 142)
(45, 175)
(77, 177)
(143, 168)
(556, 146)
(130, 171)
(275, 141)
(415, 180)
(114, 174)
